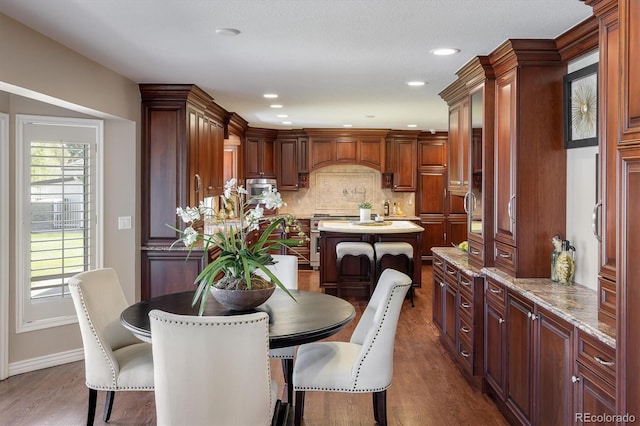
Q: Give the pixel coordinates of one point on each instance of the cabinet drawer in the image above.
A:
(598, 356)
(505, 257)
(495, 292)
(465, 306)
(465, 285)
(438, 264)
(451, 276)
(476, 253)
(465, 328)
(465, 353)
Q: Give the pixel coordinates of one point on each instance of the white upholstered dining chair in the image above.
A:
(212, 370)
(286, 269)
(365, 363)
(115, 360)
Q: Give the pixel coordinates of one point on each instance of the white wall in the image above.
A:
(40, 76)
(581, 198)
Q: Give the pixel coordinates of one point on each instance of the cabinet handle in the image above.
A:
(465, 203)
(451, 272)
(465, 329)
(603, 362)
(441, 284)
(509, 209)
(465, 283)
(438, 263)
(594, 221)
(495, 290)
(465, 305)
(198, 181)
(505, 255)
(465, 354)
(575, 379)
(475, 252)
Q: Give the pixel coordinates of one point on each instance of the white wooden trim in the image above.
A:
(4, 246)
(51, 360)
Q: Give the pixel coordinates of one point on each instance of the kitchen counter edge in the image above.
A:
(574, 303)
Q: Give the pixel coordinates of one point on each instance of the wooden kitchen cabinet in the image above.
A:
(459, 140)
(630, 70)
(292, 161)
(594, 379)
(182, 152)
(458, 314)
(400, 168)
(169, 271)
(495, 338)
(363, 147)
(529, 358)
(606, 209)
(628, 327)
(260, 153)
(519, 362)
(529, 156)
(432, 149)
(438, 292)
(302, 251)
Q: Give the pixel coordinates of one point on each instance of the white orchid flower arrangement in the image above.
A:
(241, 247)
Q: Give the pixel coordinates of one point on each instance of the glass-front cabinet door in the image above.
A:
(475, 199)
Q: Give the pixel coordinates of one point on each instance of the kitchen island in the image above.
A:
(333, 232)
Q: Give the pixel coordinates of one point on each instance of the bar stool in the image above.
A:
(356, 249)
(390, 248)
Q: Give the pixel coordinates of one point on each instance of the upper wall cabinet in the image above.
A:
(182, 154)
(529, 155)
(400, 171)
(363, 147)
(260, 153)
(630, 12)
(292, 161)
(456, 96)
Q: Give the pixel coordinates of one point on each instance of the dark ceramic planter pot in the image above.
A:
(242, 300)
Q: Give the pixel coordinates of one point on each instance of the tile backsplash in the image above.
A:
(338, 189)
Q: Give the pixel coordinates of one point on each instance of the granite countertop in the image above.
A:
(354, 227)
(575, 303)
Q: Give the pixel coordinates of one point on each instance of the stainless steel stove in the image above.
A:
(314, 239)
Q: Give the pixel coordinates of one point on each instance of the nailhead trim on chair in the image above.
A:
(114, 387)
(181, 322)
(393, 291)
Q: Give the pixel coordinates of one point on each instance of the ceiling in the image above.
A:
(332, 62)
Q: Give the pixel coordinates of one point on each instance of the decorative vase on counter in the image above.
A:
(565, 266)
(365, 215)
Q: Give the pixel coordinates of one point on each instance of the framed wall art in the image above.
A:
(581, 107)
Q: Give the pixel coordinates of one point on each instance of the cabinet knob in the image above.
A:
(500, 321)
(441, 284)
(575, 379)
(532, 316)
(465, 354)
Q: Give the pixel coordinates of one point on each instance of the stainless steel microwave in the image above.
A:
(255, 188)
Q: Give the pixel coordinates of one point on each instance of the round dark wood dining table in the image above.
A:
(312, 316)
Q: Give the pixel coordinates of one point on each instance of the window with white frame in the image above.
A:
(59, 233)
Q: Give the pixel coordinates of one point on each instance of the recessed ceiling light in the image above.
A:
(347, 125)
(276, 106)
(416, 83)
(287, 122)
(412, 125)
(444, 51)
(282, 115)
(270, 95)
(229, 32)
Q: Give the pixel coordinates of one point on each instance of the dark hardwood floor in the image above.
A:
(427, 387)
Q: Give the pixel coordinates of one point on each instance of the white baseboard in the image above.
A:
(46, 361)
